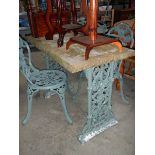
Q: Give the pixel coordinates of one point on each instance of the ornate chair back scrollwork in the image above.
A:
(51, 80)
(123, 32)
(125, 35)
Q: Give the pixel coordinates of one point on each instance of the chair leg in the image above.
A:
(124, 98)
(63, 104)
(29, 107)
(119, 77)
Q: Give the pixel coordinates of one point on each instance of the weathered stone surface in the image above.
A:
(73, 58)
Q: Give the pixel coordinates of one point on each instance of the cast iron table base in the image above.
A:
(100, 116)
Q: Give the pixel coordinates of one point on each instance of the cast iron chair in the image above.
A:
(72, 88)
(53, 80)
(123, 32)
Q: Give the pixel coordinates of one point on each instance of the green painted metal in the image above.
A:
(73, 84)
(123, 32)
(100, 116)
(118, 76)
(102, 28)
(51, 64)
(53, 80)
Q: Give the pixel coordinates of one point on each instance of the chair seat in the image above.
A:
(50, 80)
(46, 78)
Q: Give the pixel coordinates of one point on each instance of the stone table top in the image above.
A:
(73, 59)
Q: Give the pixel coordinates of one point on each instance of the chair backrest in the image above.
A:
(124, 33)
(25, 64)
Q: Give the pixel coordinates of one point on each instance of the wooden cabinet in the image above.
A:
(45, 20)
(39, 24)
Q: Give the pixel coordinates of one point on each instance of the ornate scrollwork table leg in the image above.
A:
(100, 116)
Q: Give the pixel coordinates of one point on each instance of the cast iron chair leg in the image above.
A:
(124, 98)
(119, 76)
(63, 104)
(29, 110)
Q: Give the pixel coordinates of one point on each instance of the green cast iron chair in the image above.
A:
(73, 87)
(53, 80)
(123, 32)
(125, 35)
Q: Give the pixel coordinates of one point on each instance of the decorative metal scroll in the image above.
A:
(53, 80)
(51, 64)
(118, 75)
(123, 32)
(73, 80)
(100, 116)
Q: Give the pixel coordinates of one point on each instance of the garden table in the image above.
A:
(99, 71)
